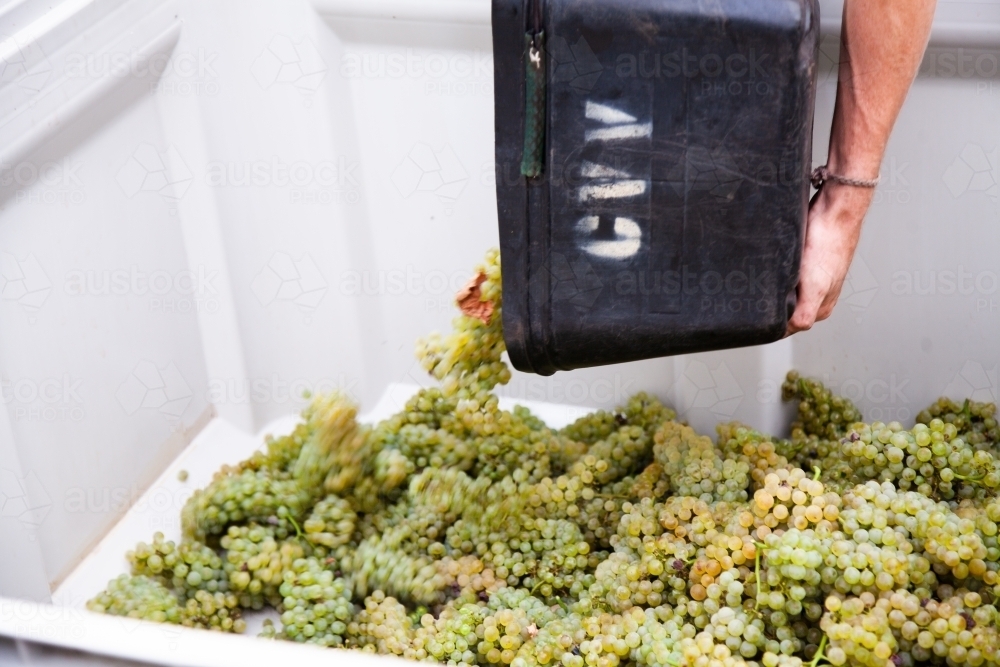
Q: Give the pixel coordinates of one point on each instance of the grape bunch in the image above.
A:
(459, 532)
(975, 422)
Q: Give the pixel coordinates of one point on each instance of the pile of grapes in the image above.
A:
(461, 533)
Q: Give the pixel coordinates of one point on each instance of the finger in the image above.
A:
(808, 305)
(829, 302)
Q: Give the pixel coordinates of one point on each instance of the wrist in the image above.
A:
(847, 204)
(858, 156)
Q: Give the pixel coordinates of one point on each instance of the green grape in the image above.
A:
(821, 413)
(255, 563)
(316, 606)
(140, 597)
(188, 567)
(331, 524)
(975, 422)
(476, 536)
(382, 625)
(235, 497)
(148, 598)
(694, 466)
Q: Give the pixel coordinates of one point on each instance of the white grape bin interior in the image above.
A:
(207, 209)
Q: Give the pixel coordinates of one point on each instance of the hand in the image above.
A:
(832, 233)
(882, 43)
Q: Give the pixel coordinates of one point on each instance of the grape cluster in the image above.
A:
(149, 599)
(330, 525)
(255, 561)
(138, 596)
(821, 412)
(458, 532)
(188, 567)
(383, 626)
(975, 422)
(234, 496)
(316, 606)
(694, 467)
(931, 459)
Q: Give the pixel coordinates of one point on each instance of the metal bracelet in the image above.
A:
(821, 175)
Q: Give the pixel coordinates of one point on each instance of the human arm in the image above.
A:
(882, 45)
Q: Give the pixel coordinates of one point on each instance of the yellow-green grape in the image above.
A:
(331, 523)
(450, 637)
(821, 412)
(975, 422)
(694, 467)
(213, 611)
(593, 427)
(140, 597)
(382, 625)
(255, 563)
(280, 453)
(317, 606)
(334, 454)
(477, 536)
(234, 497)
(187, 568)
(930, 459)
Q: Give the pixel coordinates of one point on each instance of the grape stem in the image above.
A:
(298, 531)
(760, 548)
(817, 472)
(819, 653)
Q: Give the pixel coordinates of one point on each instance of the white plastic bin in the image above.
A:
(208, 207)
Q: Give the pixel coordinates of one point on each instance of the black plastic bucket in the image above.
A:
(652, 174)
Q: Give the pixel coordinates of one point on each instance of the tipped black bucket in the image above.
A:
(652, 174)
